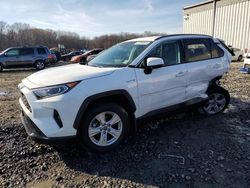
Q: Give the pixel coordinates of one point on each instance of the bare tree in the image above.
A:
(20, 34)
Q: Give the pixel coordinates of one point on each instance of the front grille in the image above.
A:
(25, 102)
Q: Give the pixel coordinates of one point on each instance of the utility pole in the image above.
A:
(214, 15)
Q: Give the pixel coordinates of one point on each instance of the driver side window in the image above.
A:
(169, 52)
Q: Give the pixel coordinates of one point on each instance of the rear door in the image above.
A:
(202, 64)
(12, 57)
(42, 53)
(26, 56)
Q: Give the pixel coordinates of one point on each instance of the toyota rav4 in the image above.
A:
(101, 102)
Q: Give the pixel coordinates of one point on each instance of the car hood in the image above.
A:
(65, 74)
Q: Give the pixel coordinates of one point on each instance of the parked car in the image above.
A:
(246, 60)
(238, 54)
(83, 57)
(68, 56)
(90, 57)
(52, 59)
(84, 50)
(32, 56)
(57, 54)
(100, 103)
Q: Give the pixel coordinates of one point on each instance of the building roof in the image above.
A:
(205, 5)
(197, 4)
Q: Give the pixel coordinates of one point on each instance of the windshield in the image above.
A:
(120, 55)
(4, 51)
(73, 53)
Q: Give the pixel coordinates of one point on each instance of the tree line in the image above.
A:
(22, 34)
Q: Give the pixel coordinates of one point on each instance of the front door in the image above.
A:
(12, 57)
(164, 86)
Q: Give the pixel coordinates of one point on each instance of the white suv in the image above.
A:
(101, 102)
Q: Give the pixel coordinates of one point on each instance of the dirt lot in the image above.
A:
(185, 150)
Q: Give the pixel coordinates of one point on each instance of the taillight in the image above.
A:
(50, 56)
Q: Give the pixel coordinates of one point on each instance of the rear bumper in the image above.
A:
(51, 60)
(36, 134)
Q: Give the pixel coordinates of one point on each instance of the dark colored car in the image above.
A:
(32, 56)
(57, 54)
(68, 56)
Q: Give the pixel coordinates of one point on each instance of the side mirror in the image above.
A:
(153, 63)
(5, 54)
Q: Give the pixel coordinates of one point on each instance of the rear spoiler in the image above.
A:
(226, 47)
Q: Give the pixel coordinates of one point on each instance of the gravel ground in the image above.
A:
(185, 150)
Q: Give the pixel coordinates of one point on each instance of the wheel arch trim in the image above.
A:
(99, 96)
(39, 59)
(213, 83)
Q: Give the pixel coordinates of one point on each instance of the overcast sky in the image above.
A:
(96, 17)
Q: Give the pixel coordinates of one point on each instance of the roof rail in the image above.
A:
(174, 35)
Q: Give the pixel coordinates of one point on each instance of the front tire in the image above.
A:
(104, 127)
(39, 65)
(1, 67)
(218, 100)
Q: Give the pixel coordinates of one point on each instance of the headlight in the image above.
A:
(54, 90)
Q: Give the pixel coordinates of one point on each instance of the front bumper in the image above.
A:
(36, 134)
(48, 119)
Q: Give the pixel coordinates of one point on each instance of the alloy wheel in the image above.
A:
(105, 128)
(215, 104)
(40, 65)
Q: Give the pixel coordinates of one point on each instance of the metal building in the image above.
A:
(225, 19)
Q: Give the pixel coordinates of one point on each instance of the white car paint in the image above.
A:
(246, 60)
(238, 54)
(165, 86)
(163, 83)
(68, 73)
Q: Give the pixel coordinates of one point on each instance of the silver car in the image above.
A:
(16, 57)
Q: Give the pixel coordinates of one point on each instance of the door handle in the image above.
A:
(179, 74)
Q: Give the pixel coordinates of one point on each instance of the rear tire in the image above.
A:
(218, 101)
(39, 65)
(104, 127)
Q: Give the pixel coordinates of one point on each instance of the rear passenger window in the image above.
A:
(26, 51)
(216, 51)
(41, 51)
(197, 49)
